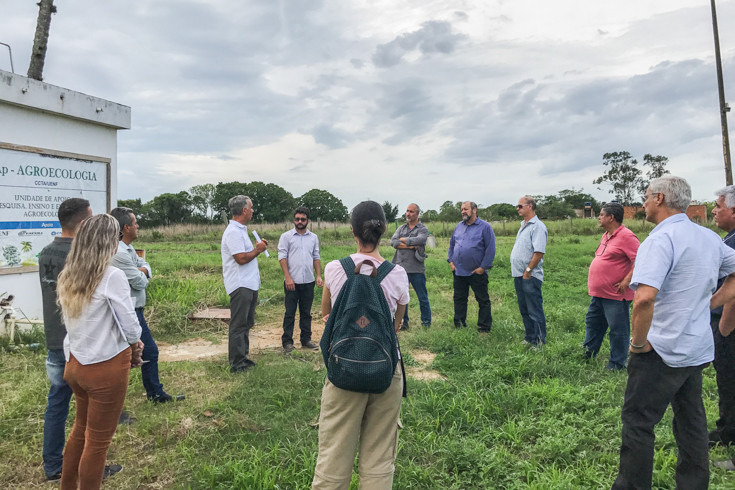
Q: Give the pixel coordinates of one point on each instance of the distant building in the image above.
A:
(695, 212)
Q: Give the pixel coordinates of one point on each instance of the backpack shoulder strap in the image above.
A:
(348, 265)
(385, 268)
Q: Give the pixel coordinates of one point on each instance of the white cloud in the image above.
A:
(449, 100)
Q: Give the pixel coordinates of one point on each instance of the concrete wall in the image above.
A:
(41, 116)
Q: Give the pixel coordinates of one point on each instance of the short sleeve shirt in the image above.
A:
(235, 240)
(531, 238)
(614, 259)
(683, 261)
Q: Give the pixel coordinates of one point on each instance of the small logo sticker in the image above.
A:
(363, 322)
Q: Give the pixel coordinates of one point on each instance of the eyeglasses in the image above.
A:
(519, 206)
(301, 219)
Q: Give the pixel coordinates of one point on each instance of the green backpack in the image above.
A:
(359, 344)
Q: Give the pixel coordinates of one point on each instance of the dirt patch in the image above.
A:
(422, 372)
(267, 336)
(262, 336)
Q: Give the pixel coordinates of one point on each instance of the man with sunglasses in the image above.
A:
(608, 280)
(526, 267)
(298, 254)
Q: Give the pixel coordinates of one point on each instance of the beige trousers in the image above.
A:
(347, 418)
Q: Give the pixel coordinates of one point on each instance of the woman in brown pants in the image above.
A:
(101, 345)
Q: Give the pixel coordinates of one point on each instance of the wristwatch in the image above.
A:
(528, 269)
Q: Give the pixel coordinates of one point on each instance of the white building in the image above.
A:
(54, 144)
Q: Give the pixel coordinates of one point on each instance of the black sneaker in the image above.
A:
(288, 348)
(250, 364)
(54, 477)
(309, 345)
(404, 326)
(111, 469)
(165, 398)
(126, 419)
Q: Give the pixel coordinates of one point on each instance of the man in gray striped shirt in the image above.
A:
(298, 254)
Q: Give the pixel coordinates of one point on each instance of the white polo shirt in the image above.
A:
(235, 240)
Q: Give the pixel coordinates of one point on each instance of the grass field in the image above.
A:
(504, 417)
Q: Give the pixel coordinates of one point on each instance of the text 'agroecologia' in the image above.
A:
(50, 172)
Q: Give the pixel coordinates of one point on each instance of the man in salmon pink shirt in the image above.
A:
(608, 281)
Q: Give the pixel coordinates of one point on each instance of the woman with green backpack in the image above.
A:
(364, 297)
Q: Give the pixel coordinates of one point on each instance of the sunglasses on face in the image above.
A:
(301, 219)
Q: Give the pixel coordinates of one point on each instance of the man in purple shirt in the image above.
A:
(471, 254)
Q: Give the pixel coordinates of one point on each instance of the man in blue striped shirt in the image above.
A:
(471, 255)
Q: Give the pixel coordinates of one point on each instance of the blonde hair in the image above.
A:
(91, 252)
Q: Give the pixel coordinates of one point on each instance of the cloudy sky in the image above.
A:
(417, 100)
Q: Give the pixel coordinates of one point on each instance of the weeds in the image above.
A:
(504, 418)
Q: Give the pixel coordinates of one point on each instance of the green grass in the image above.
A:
(505, 417)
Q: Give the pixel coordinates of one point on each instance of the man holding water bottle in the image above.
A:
(242, 280)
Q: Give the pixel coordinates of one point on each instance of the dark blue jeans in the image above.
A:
(531, 306)
(602, 313)
(149, 370)
(418, 281)
(54, 422)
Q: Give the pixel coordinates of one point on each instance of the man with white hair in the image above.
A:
(675, 274)
(242, 281)
(724, 433)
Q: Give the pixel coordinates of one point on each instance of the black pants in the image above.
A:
(242, 319)
(303, 297)
(652, 385)
(725, 368)
(478, 283)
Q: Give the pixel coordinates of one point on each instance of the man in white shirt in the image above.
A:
(138, 272)
(298, 255)
(242, 280)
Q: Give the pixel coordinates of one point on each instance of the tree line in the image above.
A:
(207, 203)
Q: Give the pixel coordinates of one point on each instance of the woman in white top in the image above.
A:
(101, 345)
(348, 417)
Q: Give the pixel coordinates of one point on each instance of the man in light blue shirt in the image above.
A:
(526, 267)
(675, 274)
(298, 255)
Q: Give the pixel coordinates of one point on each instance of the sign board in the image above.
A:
(33, 183)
